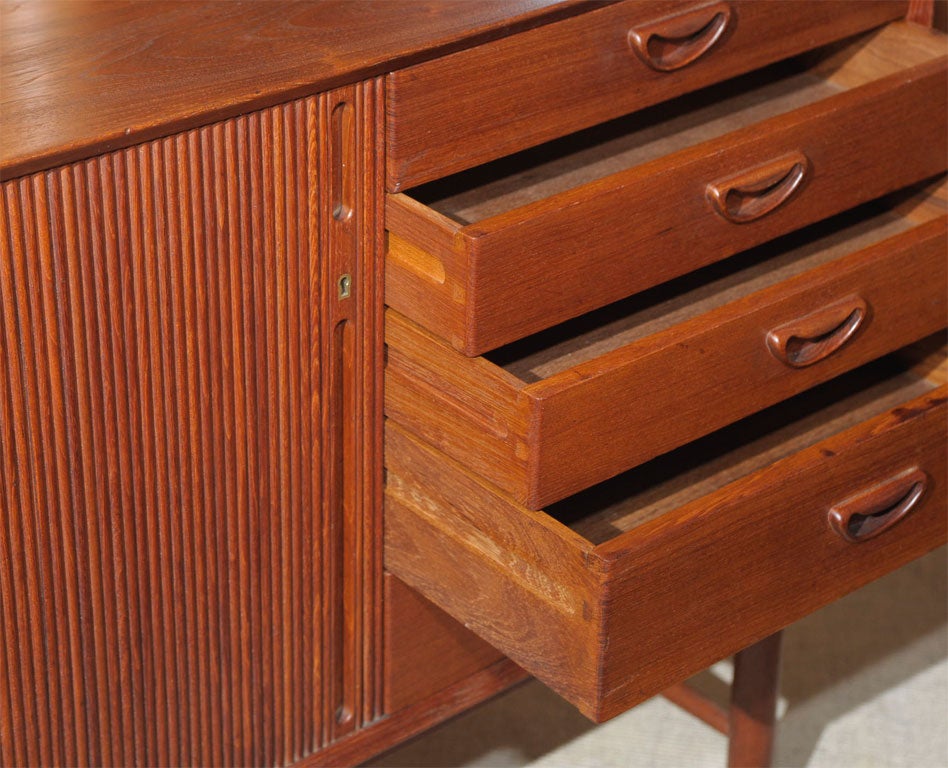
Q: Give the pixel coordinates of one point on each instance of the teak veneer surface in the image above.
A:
(190, 407)
(79, 78)
(540, 356)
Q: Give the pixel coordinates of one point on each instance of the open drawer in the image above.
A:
(577, 404)
(616, 593)
(472, 106)
(490, 256)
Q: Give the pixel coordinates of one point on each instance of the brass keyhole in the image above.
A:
(345, 286)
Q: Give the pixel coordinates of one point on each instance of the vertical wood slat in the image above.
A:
(163, 392)
(350, 325)
(370, 186)
(338, 417)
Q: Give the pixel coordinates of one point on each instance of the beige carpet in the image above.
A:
(865, 684)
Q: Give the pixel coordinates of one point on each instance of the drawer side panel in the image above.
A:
(468, 408)
(516, 581)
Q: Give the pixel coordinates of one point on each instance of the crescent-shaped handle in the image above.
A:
(754, 193)
(876, 509)
(676, 41)
(816, 336)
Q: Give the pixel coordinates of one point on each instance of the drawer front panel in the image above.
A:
(493, 100)
(543, 441)
(761, 554)
(520, 272)
(625, 408)
(609, 626)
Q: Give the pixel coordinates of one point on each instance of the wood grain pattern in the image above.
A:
(540, 574)
(465, 109)
(78, 79)
(191, 401)
(541, 440)
(929, 358)
(167, 405)
(520, 270)
(469, 408)
(610, 625)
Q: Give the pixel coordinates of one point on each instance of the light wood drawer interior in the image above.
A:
(577, 404)
(464, 109)
(617, 592)
(490, 256)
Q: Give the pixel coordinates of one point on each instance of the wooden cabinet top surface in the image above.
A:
(81, 78)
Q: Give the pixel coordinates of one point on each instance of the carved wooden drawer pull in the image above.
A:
(869, 513)
(755, 193)
(813, 337)
(676, 41)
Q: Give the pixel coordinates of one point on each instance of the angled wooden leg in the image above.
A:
(753, 709)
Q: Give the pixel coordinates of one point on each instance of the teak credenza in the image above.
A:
(358, 359)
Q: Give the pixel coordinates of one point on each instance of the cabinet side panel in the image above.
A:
(426, 651)
(160, 452)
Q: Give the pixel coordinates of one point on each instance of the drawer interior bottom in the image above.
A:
(695, 470)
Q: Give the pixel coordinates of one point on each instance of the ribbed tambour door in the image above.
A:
(164, 559)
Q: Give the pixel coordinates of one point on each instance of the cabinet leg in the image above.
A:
(753, 708)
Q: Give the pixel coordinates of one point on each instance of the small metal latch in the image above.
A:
(345, 286)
